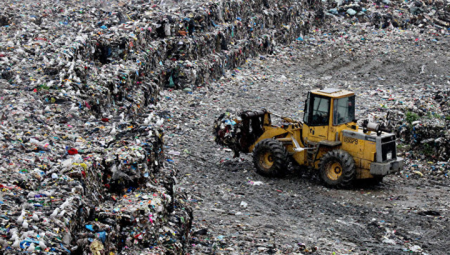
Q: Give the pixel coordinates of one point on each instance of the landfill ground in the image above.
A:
(237, 211)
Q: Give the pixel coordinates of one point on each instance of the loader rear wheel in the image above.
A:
(337, 169)
(377, 179)
(270, 158)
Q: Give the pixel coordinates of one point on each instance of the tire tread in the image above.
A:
(279, 154)
(348, 169)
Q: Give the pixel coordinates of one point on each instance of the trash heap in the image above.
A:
(227, 132)
(110, 52)
(74, 182)
(386, 14)
(108, 49)
(422, 125)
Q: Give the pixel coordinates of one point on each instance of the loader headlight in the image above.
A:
(389, 155)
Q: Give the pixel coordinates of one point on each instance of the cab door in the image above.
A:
(316, 118)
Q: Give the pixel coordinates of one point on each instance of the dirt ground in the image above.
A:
(240, 212)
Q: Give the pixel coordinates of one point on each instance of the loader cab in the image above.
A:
(327, 112)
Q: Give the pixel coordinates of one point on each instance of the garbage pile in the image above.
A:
(108, 48)
(81, 165)
(422, 126)
(227, 132)
(72, 182)
(108, 52)
(392, 14)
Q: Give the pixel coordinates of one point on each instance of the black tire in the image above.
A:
(377, 179)
(270, 158)
(337, 169)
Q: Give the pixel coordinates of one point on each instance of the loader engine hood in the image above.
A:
(385, 143)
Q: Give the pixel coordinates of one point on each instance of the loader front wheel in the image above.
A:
(337, 169)
(270, 158)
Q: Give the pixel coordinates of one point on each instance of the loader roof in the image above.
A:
(332, 92)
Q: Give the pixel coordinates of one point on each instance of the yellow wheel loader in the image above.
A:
(328, 140)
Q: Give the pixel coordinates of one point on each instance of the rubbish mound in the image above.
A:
(422, 127)
(227, 132)
(388, 14)
(72, 182)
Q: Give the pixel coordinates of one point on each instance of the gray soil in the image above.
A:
(400, 215)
